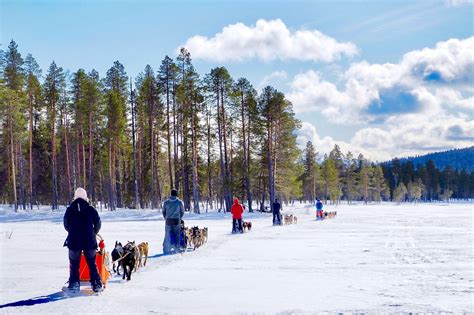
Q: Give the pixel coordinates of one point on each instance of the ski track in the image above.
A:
(370, 259)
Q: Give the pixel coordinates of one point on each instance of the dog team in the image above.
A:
(290, 219)
(130, 257)
(320, 214)
(82, 222)
(193, 237)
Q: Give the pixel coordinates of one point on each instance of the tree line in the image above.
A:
(342, 177)
(129, 141)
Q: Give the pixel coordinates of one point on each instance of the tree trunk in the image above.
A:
(84, 171)
(118, 176)
(30, 177)
(21, 176)
(12, 153)
(91, 160)
(271, 181)
(221, 155)
(185, 166)
(68, 170)
(244, 141)
(152, 159)
(135, 178)
(175, 141)
(168, 135)
(78, 158)
(111, 177)
(158, 184)
(53, 148)
(194, 166)
(227, 192)
(209, 170)
(140, 166)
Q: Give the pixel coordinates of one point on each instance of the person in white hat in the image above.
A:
(82, 222)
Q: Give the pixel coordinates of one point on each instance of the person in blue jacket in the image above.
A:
(82, 222)
(173, 211)
(319, 209)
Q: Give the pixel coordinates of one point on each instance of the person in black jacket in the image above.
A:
(82, 222)
(276, 213)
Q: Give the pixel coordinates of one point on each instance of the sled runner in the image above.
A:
(101, 262)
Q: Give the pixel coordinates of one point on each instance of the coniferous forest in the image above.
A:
(128, 141)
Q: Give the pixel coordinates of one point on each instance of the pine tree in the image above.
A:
(53, 84)
(13, 70)
(447, 193)
(149, 105)
(418, 188)
(219, 84)
(191, 101)
(310, 173)
(215, 140)
(350, 178)
(167, 77)
(14, 98)
(379, 184)
(400, 193)
(246, 95)
(80, 107)
(331, 182)
(115, 102)
(184, 99)
(93, 97)
(12, 106)
(136, 200)
(33, 91)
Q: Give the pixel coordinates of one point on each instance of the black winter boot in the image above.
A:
(97, 286)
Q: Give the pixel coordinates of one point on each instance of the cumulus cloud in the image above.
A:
(424, 81)
(324, 145)
(400, 136)
(451, 61)
(272, 77)
(415, 134)
(267, 41)
(422, 104)
(455, 3)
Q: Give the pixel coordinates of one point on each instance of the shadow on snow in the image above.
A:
(57, 296)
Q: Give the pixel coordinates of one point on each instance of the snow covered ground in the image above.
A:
(371, 259)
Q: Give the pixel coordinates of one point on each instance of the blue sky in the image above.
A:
(93, 34)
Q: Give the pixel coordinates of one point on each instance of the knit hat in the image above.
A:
(81, 193)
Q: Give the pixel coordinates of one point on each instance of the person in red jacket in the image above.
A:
(237, 211)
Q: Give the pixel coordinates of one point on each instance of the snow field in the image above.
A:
(372, 259)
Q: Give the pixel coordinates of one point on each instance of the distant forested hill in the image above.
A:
(460, 159)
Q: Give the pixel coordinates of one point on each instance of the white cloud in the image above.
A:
(268, 40)
(455, 3)
(272, 77)
(416, 134)
(400, 136)
(424, 81)
(451, 61)
(455, 99)
(308, 132)
(422, 104)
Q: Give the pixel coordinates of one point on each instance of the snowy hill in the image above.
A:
(372, 259)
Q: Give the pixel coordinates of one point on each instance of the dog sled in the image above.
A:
(101, 260)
